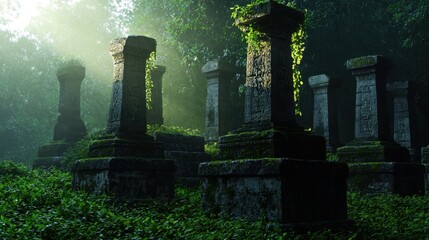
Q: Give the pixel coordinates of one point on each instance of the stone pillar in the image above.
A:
(219, 75)
(377, 164)
(324, 117)
(269, 108)
(274, 177)
(403, 117)
(69, 127)
(154, 114)
(127, 162)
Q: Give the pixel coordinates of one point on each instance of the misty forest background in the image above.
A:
(34, 42)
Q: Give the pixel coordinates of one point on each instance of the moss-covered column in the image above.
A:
(127, 163)
(372, 139)
(154, 114)
(273, 169)
(219, 75)
(69, 127)
(324, 117)
(270, 128)
(377, 164)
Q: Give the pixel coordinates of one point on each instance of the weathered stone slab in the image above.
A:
(154, 114)
(272, 143)
(180, 142)
(278, 189)
(387, 177)
(127, 163)
(324, 117)
(69, 127)
(219, 75)
(372, 142)
(129, 179)
(187, 153)
(404, 117)
(377, 164)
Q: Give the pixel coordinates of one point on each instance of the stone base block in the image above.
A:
(140, 147)
(289, 191)
(187, 162)
(377, 178)
(51, 155)
(180, 142)
(373, 151)
(130, 179)
(272, 143)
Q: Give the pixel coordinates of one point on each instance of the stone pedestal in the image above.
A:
(69, 127)
(266, 181)
(219, 75)
(372, 145)
(324, 117)
(387, 177)
(403, 117)
(154, 114)
(127, 163)
(288, 191)
(187, 153)
(270, 128)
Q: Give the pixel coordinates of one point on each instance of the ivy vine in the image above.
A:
(254, 40)
(150, 66)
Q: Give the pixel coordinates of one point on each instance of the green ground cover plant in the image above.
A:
(37, 204)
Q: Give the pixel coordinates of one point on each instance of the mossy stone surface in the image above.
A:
(288, 191)
(272, 143)
(391, 177)
(372, 151)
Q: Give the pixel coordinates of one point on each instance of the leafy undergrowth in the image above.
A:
(42, 205)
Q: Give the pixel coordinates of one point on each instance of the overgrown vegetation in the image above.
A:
(41, 205)
(151, 129)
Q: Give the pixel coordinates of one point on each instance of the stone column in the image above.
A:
(324, 117)
(377, 164)
(403, 117)
(127, 113)
(127, 162)
(69, 127)
(281, 174)
(372, 140)
(154, 114)
(219, 75)
(269, 112)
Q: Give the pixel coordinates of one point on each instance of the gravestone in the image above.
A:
(219, 75)
(154, 114)
(425, 161)
(267, 172)
(324, 117)
(403, 117)
(69, 127)
(376, 163)
(127, 163)
(187, 153)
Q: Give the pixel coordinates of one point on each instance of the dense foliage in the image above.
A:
(42, 205)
